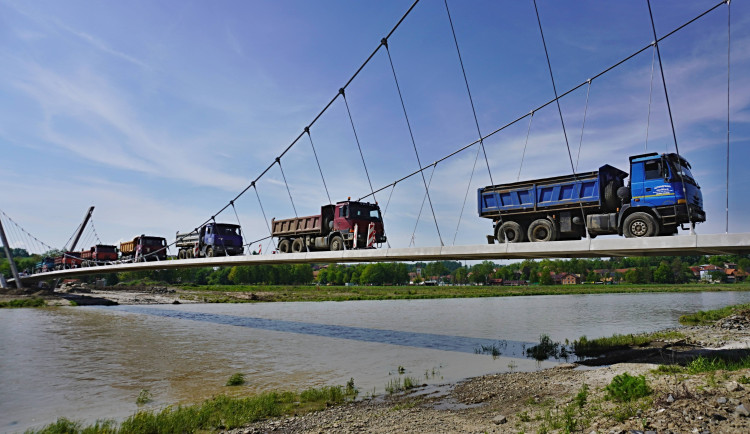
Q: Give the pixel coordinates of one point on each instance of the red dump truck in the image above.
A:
(68, 260)
(99, 254)
(345, 225)
(145, 248)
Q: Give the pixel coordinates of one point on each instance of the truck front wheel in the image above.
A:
(542, 230)
(209, 252)
(640, 224)
(510, 232)
(337, 243)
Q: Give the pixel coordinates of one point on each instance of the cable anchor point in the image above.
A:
(307, 130)
(342, 92)
(384, 42)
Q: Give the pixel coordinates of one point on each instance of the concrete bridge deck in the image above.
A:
(681, 245)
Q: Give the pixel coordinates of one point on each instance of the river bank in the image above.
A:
(695, 397)
(85, 294)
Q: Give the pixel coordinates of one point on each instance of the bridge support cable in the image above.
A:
(559, 110)
(242, 231)
(468, 91)
(327, 106)
(421, 207)
(564, 94)
(476, 122)
(413, 142)
(650, 94)
(307, 130)
(270, 232)
(583, 124)
(729, 64)
(525, 145)
(671, 119)
(42, 243)
(356, 138)
(390, 195)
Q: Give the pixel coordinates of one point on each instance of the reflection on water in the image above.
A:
(89, 363)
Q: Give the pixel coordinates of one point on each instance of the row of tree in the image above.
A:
(636, 270)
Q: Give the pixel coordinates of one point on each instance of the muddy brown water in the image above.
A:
(89, 363)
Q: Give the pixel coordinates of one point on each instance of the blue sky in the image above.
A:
(158, 113)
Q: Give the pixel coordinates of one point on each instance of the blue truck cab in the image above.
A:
(211, 239)
(663, 186)
(661, 196)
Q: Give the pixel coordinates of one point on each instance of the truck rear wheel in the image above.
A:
(298, 245)
(210, 252)
(611, 200)
(640, 224)
(510, 232)
(285, 246)
(542, 230)
(337, 243)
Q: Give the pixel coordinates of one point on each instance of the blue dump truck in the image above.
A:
(662, 196)
(211, 239)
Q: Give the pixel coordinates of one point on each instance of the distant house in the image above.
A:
(707, 270)
(570, 279)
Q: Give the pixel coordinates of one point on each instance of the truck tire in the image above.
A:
(181, 254)
(285, 246)
(210, 252)
(298, 245)
(337, 243)
(640, 224)
(542, 230)
(611, 201)
(624, 194)
(511, 232)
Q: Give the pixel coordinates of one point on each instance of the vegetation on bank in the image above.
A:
(704, 317)
(255, 293)
(705, 364)
(23, 302)
(585, 347)
(218, 413)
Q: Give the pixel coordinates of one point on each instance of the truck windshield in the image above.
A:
(681, 170)
(227, 230)
(363, 213)
(153, 241)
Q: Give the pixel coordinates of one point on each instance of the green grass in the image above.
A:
(704, 364)
(144, 397)
(219, 413)
(704, 317)
(265, 293)
(587, 348)
(23, 302)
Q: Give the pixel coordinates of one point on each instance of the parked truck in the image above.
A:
(144, 248)
(661, 197)
(211, 239)
(46, 264)
(99, 254)
(344, 225)
(68, 260)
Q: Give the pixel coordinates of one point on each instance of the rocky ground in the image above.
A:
(556, 400)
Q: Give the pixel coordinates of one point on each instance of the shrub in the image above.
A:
(236, 379)
(626, 388)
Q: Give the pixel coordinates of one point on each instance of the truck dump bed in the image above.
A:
(187, 239)
(297, 226)
(559, 192)
(127, 247)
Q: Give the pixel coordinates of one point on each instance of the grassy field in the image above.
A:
(704, 317)
(255, 293)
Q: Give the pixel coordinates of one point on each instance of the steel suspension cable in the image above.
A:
(476, 122)
(307, 130)
(387, 242)
(466, 195)
(264, 214)
(27, 233)
(583, 125)
(564, 94)
(559, 110)
(238, 219)
(351, 79)
(93, 228)
(356, 138)
(411, 135)
(278, 161)
(525, 144)
(421, 207)
(729, 44)
(671, 119)
(650, 93)
(468, 91)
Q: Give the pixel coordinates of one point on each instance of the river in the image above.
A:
(89, 363)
